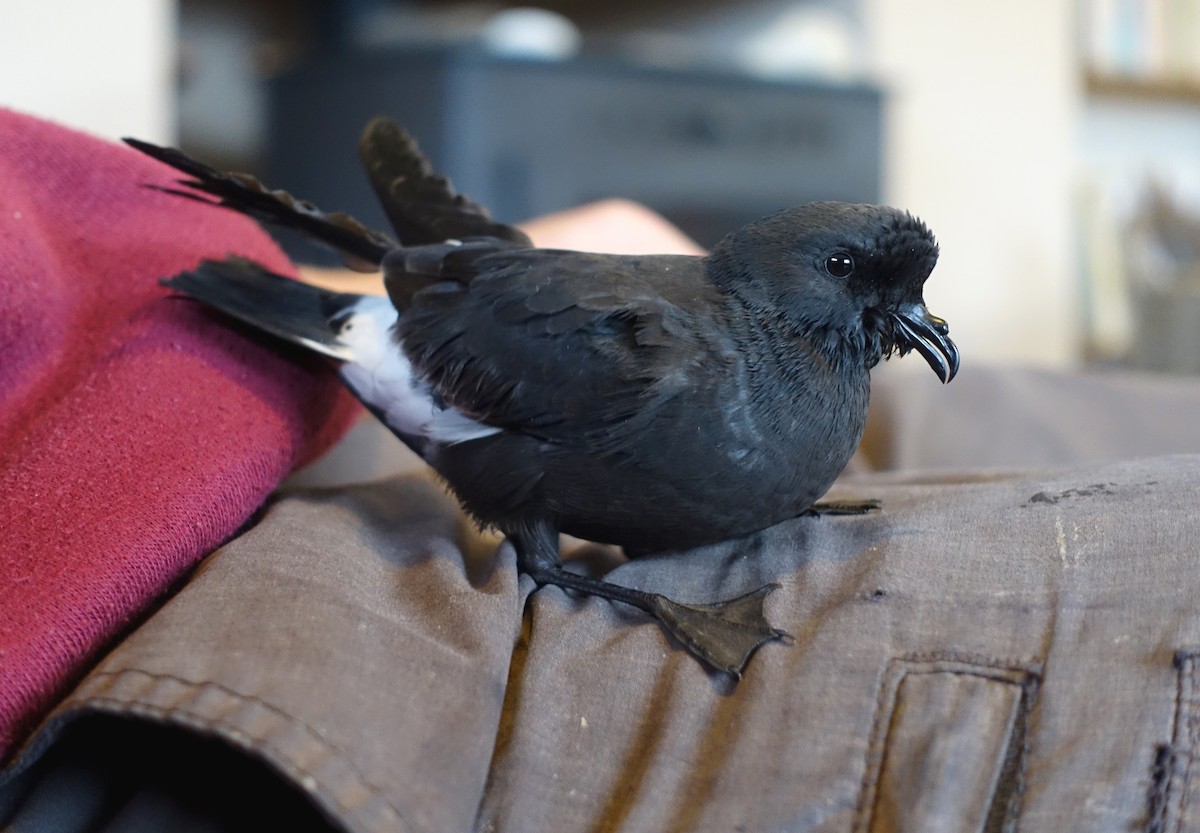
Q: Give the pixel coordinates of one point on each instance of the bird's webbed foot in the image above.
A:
(723, 634)
(842, 507)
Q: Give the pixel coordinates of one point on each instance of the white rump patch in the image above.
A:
(378, 372)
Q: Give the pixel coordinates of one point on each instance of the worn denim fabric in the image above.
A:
(1007, 647)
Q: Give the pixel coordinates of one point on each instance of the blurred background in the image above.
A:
(1053, 146)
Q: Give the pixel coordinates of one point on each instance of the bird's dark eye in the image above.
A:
(839, 265)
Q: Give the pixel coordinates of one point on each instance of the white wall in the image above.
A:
(104, 66)
(984, 102)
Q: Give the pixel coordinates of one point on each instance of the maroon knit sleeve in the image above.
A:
(137, 431)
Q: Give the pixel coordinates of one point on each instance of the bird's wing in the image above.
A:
(422, 206)
(564, 346)
(246, 194)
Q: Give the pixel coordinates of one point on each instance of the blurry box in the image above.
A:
(1167, 329)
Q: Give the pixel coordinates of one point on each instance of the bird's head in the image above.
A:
(849, 278)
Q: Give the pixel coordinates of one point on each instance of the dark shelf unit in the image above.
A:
(709, 149)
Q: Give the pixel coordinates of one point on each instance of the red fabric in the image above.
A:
(136, 432)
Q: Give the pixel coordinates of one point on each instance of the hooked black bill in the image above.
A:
(929, 335)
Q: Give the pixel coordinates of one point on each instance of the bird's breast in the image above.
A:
(718, 465)
(795, 436)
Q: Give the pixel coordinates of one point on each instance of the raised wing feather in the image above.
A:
(422, 206)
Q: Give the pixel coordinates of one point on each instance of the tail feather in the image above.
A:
(297, 312)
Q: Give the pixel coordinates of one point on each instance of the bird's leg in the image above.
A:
(724, 634)
(842, 507)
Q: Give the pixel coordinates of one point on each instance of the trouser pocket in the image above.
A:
(947, 749)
